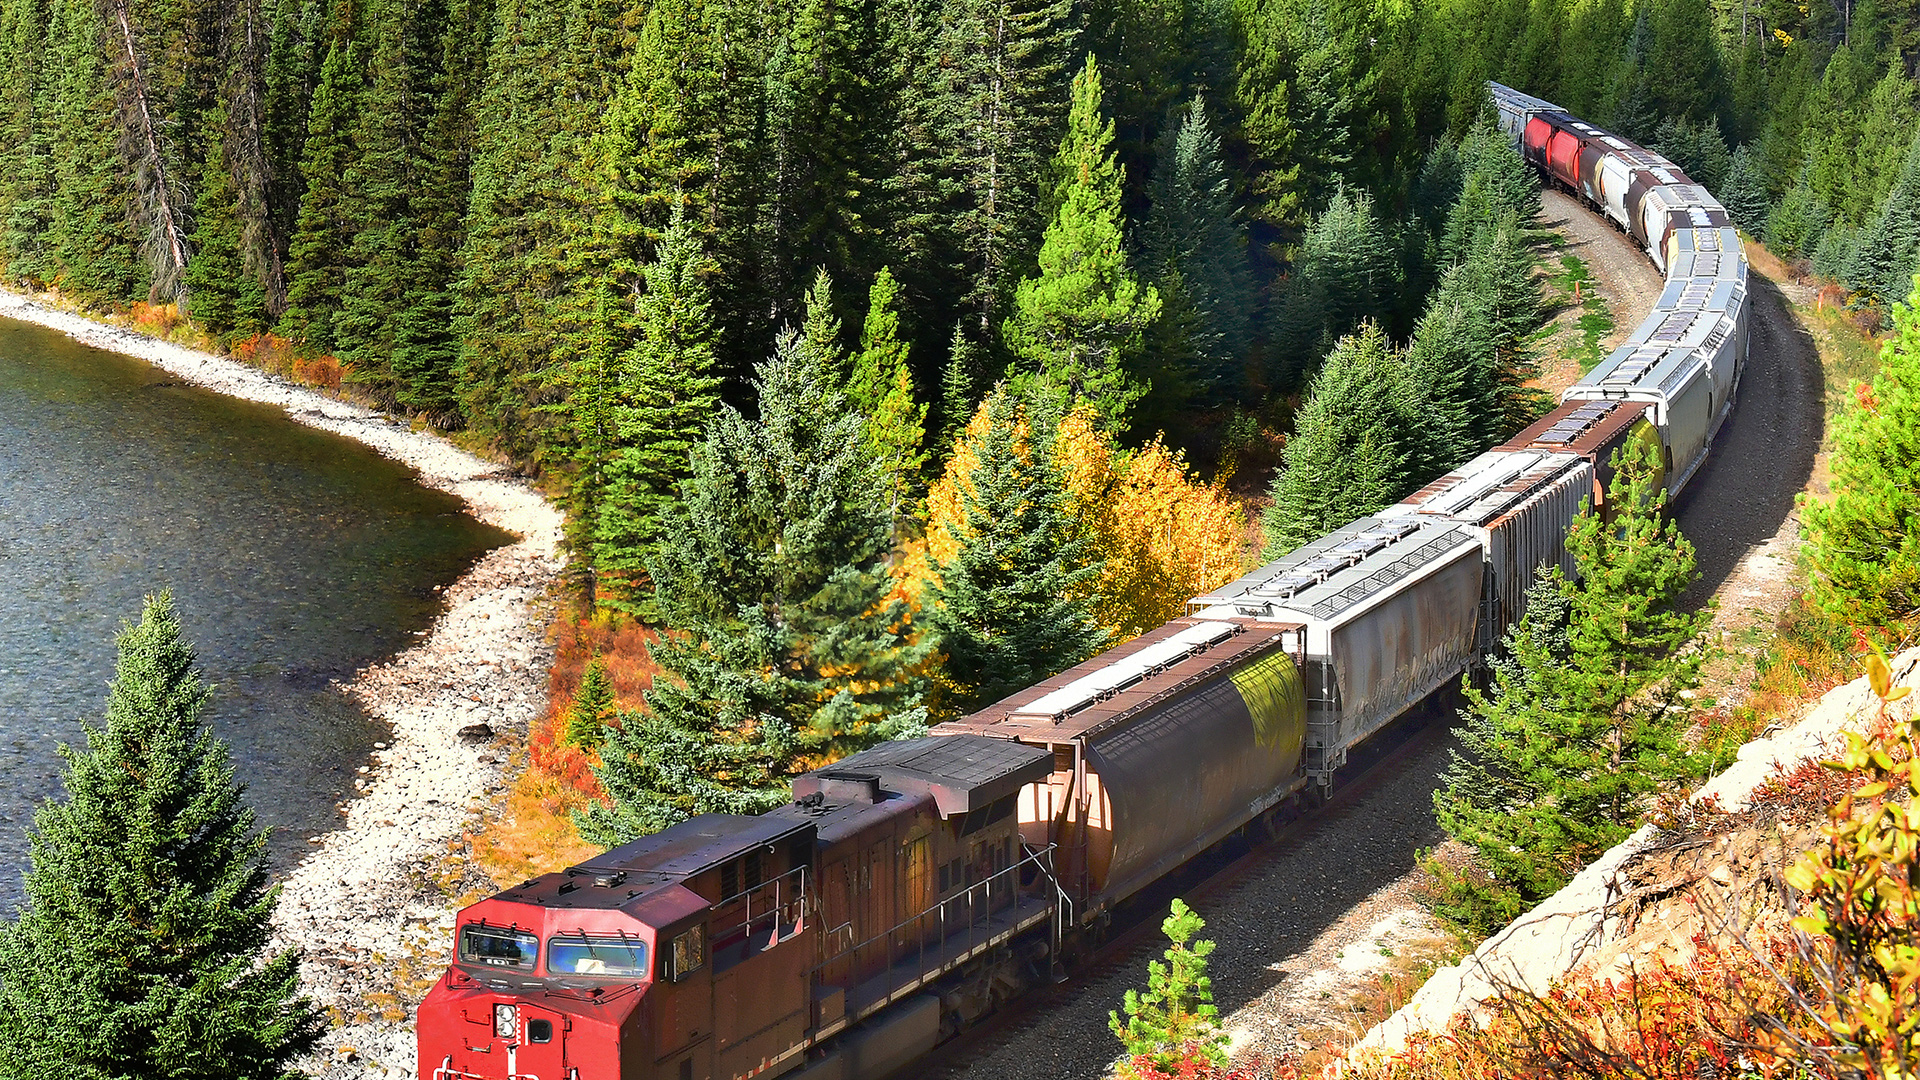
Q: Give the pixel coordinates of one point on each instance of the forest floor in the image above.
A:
(372, 907)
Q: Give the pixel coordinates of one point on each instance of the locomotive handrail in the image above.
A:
(1001, 885)
(781, 901)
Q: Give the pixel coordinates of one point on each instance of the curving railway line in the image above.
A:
(912, 889)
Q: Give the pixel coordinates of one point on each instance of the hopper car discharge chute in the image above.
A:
(913, 886)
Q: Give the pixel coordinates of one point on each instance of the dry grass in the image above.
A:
(531, 831)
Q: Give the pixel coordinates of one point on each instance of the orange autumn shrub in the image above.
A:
(1711, 1016)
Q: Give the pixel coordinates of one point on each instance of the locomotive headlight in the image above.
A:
(503, 1021)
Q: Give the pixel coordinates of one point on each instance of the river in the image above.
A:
(295, 556)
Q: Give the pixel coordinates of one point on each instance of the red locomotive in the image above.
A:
(905, 890)
(729, 946)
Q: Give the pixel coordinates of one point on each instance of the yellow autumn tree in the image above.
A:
(1164, 535)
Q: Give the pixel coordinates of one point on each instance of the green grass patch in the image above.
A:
(1573, 285)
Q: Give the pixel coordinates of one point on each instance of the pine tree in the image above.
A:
(789, 648)
(1193, 236)
(1078, 325)
(1585, 722)
(142, 948)
(1351, 448)
(881, 388)
(591, 710)
(1177, 1013)
(665, 394)
(1634, 652)
(1010, 608)
(1863, 543)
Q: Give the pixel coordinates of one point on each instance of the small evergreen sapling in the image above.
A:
(1176, 1015)
(142, 949)
(592, 708)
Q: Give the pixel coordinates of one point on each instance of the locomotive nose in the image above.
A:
(484, 1036)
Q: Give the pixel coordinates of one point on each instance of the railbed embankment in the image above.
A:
(372, 905)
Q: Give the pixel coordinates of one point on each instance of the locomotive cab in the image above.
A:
(623, 965)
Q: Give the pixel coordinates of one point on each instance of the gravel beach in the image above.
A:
(371, 907)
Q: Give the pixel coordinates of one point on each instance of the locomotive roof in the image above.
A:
(963, 773)
(1488, 487)
(1342, 572)
(695, 844)
(1579, 427)
(1125, 680)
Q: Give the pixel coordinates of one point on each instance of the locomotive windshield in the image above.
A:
(590, 955)
(498, 947)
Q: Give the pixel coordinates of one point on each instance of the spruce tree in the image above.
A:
(26, 164)
(1010, 608)
(591, 710)
(1301, 89)
(142, 948)
(1889, 245)
(788, 647)
(1352, 446)
(1863, 543)
(1744, 193)
(90, 241)
(820, 333)
(222, 295)
(1078, 325)
(321, 234)
(996, 91)
(959, 382)
(663, 397)
(1347, 271)
(1193, 236)
(881, 388)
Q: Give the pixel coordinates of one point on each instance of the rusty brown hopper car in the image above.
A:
(1594, 430)
(1161, 747)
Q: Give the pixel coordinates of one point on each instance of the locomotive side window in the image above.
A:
(597, 955)
(498, 947)
(686, 953)
(540, 1031)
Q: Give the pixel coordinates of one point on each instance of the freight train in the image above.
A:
(914, 886)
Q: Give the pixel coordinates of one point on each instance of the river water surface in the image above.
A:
(295, 557)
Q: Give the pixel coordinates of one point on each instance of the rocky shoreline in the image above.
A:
(372, 906)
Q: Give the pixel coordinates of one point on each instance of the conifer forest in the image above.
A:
(764, 291)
